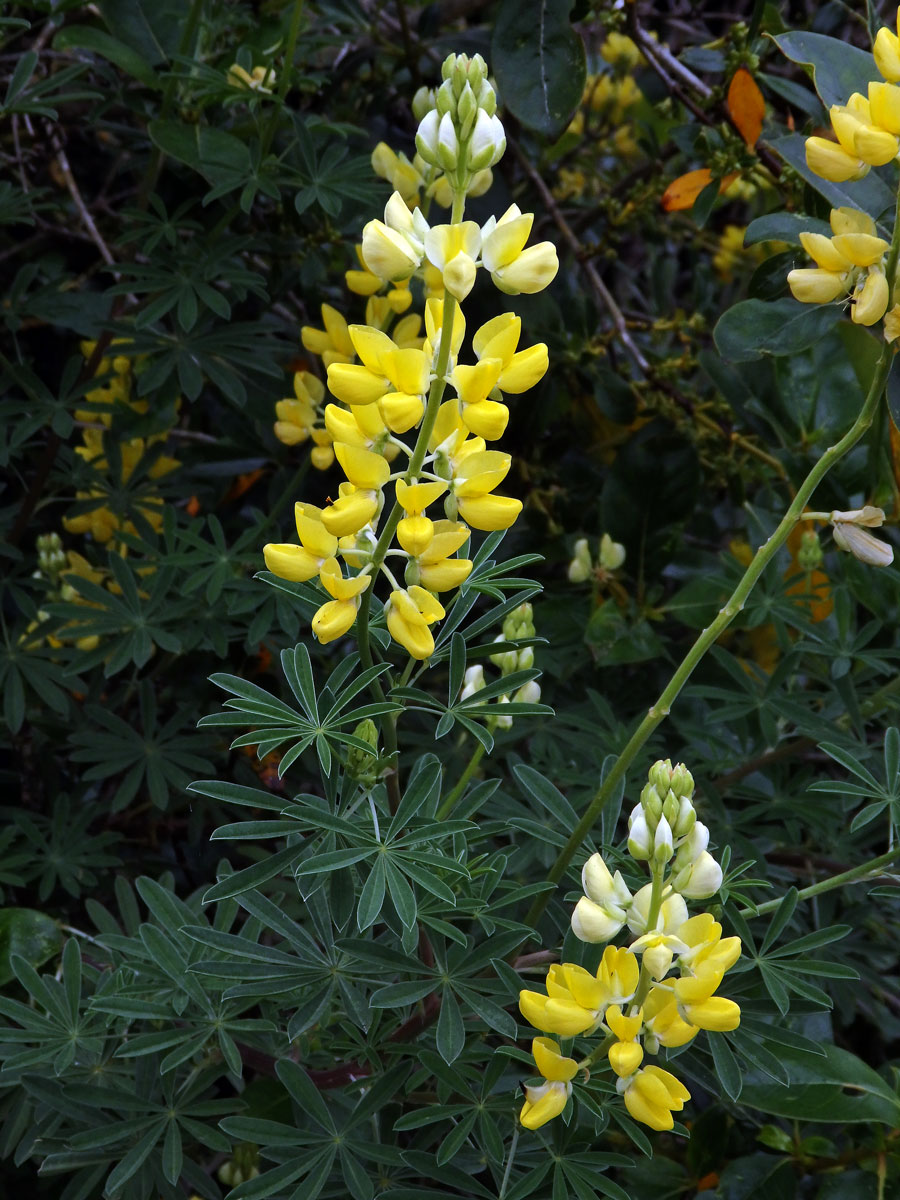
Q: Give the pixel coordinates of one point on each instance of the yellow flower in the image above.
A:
(303, 562)
(332, 344)
(547, 1101)
(473, 485)
(576, 1000)
(453, 250)
(627, 1054)
(334, 618)
(652, 1095)
(513, 268)
(409, 613)
(438, 571)
(416, 531)
(295, 418)
(401, 174)
(260, 79)
(360, 499)
(887, 52)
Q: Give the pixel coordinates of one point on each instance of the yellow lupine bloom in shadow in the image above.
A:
(332, 344)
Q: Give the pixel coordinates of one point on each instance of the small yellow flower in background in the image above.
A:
(332, 344)
(260, 79)
(296, 418)
(892, 324)
(619, 50)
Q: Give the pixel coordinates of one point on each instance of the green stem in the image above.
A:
(386, 537)
(168, 99)
(447, 807)
(597, 1053)
(284, 81)
(764, 555)
(867, 870)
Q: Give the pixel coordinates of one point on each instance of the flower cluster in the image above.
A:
(632, 999)
(122, 471)
(385, 385)
(849, 263)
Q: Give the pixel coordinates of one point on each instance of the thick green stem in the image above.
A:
(867, 870)
(764, 555)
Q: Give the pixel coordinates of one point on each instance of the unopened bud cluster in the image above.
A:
(459, 130)
(519, 625)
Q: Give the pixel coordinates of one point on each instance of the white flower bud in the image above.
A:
(640, 840)
(529, 693)
(427, 137)
(503, 722)
(662, 842)
(444, 100)
(593, 923)
(448, 144)
(488, 142)
(686, 818)
(525, 659)
(473, 681)
(422, 102)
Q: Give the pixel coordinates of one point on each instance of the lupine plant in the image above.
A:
(420, 851)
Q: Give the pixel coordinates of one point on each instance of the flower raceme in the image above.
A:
(850, 262)
(387, 382)
(659, 991)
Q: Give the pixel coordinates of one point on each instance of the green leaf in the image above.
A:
(220, 157)
(371, 898)
(450, 1034)
(836, 1087)
(539, 63)
(783, 227)
(304, 1092)
(251, 877)
(752, 329)
(86, 37)
(838, 68)
(28, 933)
(870, 194)
(728, 1072)
(151, 27)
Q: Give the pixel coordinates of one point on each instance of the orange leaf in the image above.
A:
(746, 106)
(683, 191)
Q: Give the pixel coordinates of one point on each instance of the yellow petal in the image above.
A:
(550, 1063)
(290, 562)
(333, 620)
(364, 468)
(355, 384)
(414, 498)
